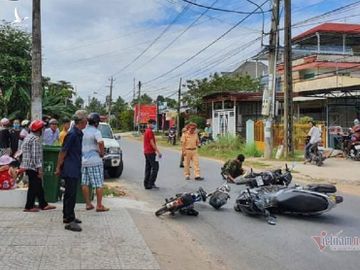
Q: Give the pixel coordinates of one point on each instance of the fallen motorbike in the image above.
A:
(184, 202)
(267, 199)
(315, 154)
(172, 136)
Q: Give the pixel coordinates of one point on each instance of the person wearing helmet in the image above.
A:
(92, 164)
(69, 168)
(5, 138)
(32, 164)
(51, 134)
(24, 129)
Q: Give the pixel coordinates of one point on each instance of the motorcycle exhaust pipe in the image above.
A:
(339, 199)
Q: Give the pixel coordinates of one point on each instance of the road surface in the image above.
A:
(238, 241)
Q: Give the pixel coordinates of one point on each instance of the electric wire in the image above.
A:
(205, 48)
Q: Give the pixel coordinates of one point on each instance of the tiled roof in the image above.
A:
(341, 28)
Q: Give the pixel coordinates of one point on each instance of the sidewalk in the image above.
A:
(109, 240)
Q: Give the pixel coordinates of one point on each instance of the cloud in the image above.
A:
(86, 41)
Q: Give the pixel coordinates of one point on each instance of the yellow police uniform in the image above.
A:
(190, 143)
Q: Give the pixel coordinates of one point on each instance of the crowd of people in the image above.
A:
(79, 161)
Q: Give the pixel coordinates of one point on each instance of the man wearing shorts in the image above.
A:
(92, 163)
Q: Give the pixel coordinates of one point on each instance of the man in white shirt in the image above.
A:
(315, 138)
(92, 164)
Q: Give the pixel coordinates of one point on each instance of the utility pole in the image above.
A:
(288, 93)
(134, 89)
(110, 97)
(36, 74)
(139, 107)
(178, 110)
(134, 95)
(269, 93)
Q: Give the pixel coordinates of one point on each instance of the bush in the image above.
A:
(199, 120)
(250, 150)
(228, 147)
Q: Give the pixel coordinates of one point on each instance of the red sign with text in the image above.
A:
(147, 112)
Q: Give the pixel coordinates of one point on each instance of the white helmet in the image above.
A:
(25, 123)
(356, 122)
(5, 122)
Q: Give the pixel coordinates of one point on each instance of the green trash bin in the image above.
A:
(51, 182)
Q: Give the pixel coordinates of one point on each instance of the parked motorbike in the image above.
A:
(296, 200)
(183, 202)
(172, 136)
(315, 154)
(351, 148)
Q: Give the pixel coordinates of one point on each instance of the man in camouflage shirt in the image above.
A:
(233, 168)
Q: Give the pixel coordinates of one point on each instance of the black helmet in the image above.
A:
(93, 119)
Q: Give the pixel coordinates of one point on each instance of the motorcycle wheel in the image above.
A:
(237, 208)
(161, 211)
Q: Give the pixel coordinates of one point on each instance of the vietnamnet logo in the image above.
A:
(336, 242)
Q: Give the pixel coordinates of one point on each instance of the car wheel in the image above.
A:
(116, 172)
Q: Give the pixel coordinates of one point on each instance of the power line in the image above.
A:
(337, 10)
(206, 47)
(179, 36)
(155, 40)
(222, 10)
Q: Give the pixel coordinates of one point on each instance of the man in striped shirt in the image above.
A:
(32, 163)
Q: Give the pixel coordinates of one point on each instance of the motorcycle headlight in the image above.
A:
(114, 150)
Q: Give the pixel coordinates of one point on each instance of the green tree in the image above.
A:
(126, 120)
(79, 103)
(144, 99)
(15, 79)
(216, 83)
(57, 98)
(95, 105)
(171, 103)
(118, 106)
(15, 71)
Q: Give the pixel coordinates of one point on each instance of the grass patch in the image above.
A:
(113, 191)
(228, 147)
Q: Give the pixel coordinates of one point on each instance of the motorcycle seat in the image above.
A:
(322, 188)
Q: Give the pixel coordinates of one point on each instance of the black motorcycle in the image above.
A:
(351, 149)
(265, 199)
(172, 136)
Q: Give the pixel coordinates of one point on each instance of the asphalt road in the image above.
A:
(240, 241)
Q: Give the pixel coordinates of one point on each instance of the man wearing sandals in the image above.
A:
(32, 164)
(69, 168)
(92, 163)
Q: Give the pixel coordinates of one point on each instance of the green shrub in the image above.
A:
(199, 120)
(228, 147)
(250, 150)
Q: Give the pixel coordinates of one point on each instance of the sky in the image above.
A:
(85, 42)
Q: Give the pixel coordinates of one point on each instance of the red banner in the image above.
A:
(147, 112)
